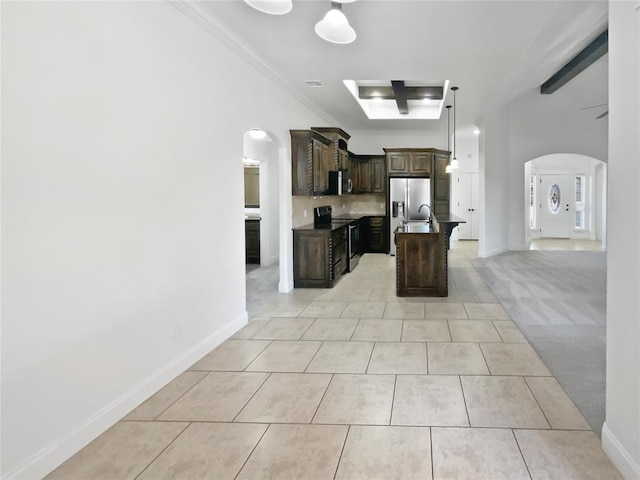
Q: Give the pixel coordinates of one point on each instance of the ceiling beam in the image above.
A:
(577, 64)
(412, 93)
(400, 93)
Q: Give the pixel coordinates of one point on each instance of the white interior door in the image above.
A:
(466, 205)
(556, 204)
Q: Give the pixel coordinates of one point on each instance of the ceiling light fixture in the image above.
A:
(476, 131)
(272, 7)
(454, 162)
(334, 27)
(257, 134)
(448, 169)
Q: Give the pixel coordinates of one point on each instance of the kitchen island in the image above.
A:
(421, 257)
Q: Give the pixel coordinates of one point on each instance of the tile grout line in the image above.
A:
(393, 398)
(322, 342)
(322, 399)
(163, 450)
(251, 398)
(177, 399)
(252, 450)
(344, 444)
(370, 357)
(524, 380)
(431, 452)
(464, 399)
(484, 358)
(260, 353)
(513, 432)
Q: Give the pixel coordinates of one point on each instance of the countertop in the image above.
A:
(416, 228)
(332, 226)
(449, 218)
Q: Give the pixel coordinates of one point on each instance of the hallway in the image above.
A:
(354, 382)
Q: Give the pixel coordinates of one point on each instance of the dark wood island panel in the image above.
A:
(421, 261)
(422, 251)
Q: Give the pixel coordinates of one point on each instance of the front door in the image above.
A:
(556, 205)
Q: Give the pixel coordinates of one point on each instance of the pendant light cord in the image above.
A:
(455, 152)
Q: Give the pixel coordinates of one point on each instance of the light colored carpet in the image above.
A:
(558, 299)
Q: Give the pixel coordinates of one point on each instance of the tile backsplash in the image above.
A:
(342, 205)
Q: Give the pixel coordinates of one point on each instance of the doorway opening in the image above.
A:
(565, 195)
(261, 214)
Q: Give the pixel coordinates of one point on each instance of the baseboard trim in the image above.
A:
(491, 253)
(54, 454)
(619, 455)
(285, 287)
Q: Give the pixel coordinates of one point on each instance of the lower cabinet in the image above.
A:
(375, 234)
(319, 256)
(252, 241)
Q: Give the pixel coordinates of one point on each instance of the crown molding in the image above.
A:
(222, 32)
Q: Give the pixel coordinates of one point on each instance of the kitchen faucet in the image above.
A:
(425, 205)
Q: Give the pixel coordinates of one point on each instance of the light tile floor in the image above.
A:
(356, 383)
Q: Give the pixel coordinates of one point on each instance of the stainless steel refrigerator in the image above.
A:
(409, 200)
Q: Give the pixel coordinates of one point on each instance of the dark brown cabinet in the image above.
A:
(310, 162)
(378, 175)
(421, 264)
(375, 235)
(423, 162)
(252, 241)
(369, 174)
(409, 161)
(397, 162)
(420, 163)
(441, 185)
(338, 152)
(319, 256)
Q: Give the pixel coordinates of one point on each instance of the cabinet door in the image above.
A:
(420, 163)
(441, 186)
(376, 234)
(311, 259)
(320, 159)
(398, 163)
(301, 163)
(378, 175)
(343, 160)
(365, 176)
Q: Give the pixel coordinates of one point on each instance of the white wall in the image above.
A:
(541, 125)
(371, 142)
(537, 125)
(621, 431)
(494, 183)
(122, 139)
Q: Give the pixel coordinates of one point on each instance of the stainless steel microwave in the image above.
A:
(339, 183)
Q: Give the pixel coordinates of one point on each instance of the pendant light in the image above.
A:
(272, 7)
(454, 162)
(334, 27)
(448, 169)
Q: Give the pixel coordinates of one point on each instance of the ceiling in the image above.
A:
(492, 50)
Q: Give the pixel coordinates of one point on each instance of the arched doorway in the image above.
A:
(565, 199)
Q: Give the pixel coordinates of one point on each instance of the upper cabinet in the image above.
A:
(423, 162)
(310, 162)
(441, 184)
(409, 161)
(338, 152)
(368, 173)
